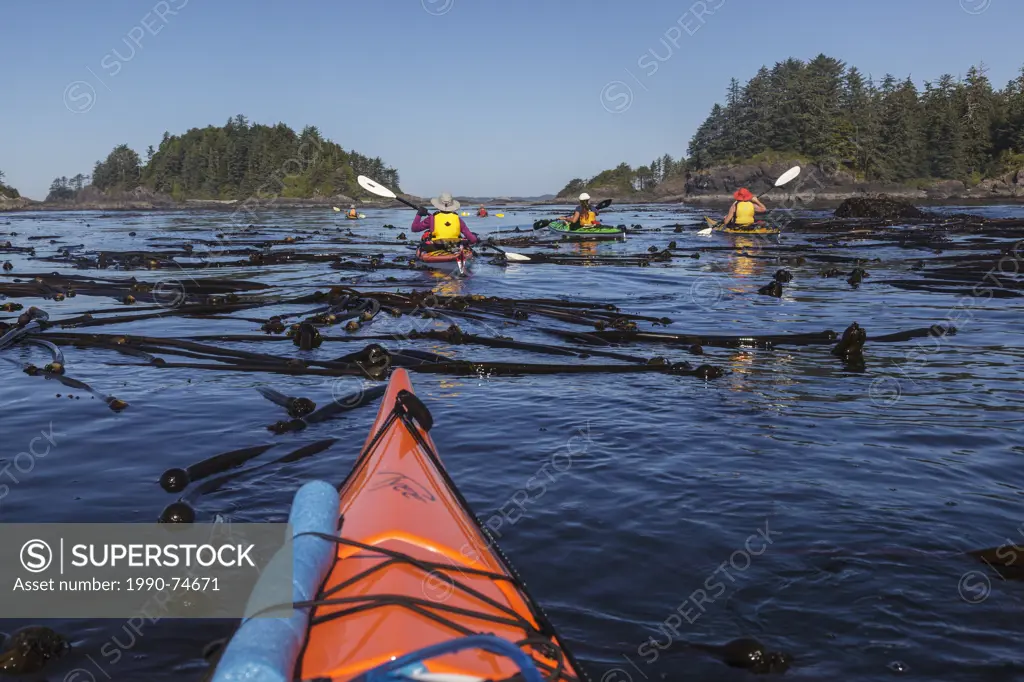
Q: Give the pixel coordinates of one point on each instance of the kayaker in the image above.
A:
(481, 212)
(583, 216)
(743, 209)
(444, 223)
(352, 212)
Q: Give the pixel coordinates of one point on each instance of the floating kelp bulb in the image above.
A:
(709, 372)
(129, 299)
(175, 480)
(58, 297)
(116, 404)
(289, 240)
(352, 326)
(178, 512)
(54, 367)
(131, 234)
(696, 349)
(300, 407)
(8, 266)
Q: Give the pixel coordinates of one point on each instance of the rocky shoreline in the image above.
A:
(817, 187)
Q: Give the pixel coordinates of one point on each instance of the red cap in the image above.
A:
(742, 194)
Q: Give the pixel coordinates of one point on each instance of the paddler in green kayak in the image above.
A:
(583, 216)
(743, 209)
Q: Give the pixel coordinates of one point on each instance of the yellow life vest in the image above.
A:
(587, 218)
(744, 213)
(446, 226)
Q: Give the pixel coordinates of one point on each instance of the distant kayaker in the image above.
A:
(743, 209)
(352, 212)
(583, 216)
(444, 223)
(481, 212)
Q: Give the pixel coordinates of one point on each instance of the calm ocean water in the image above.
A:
(831, 506)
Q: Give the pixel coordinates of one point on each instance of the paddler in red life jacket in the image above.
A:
(444, 224)
(481, 212)
(583, 216)
(743, 209)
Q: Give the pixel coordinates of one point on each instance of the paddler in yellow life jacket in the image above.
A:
(743, 209)
(583, 216)
(444, 224)
(352, 212)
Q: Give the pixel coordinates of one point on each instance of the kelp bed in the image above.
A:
(589, 337)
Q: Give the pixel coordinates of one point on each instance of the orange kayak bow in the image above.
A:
(410, 569)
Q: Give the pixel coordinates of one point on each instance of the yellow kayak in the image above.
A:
(759, 227)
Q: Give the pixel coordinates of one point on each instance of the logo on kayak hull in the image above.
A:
(405, 486)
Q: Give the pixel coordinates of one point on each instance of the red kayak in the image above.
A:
(451, 256)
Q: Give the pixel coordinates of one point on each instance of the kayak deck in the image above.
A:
(414, 568)
(759, 227)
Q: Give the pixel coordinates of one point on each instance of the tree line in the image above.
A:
(827, 112)
(235, 161)
(626, 178)
(954, 128)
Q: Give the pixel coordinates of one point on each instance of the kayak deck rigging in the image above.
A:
(432, 609)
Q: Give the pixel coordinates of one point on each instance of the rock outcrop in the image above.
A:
(881, 206)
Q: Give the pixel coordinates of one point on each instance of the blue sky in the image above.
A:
(477, 97)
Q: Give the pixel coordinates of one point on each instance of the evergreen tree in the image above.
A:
(945, 149)
(120, 170)
(978, 117)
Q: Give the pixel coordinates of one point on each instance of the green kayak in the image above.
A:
(591, 232)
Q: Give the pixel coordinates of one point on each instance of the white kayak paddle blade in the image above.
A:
(375, 187)
(787, 176)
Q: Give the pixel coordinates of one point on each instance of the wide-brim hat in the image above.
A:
(742, 194)
(445, 202)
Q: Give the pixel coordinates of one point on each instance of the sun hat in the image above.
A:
(584, 197)
(743, 194)
(445, 202)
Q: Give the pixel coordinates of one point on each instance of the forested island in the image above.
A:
(224, 164)
(958, 137)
